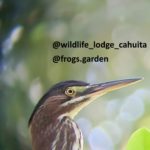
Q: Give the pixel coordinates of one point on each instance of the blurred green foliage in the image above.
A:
(13, 118)
(139, 140)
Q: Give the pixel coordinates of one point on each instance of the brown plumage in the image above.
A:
(51, 123)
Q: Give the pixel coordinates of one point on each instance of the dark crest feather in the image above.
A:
(52, 91)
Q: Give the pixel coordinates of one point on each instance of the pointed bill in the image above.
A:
(103, 88)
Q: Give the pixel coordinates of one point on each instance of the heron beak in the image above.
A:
(91, 92)
(103, 88)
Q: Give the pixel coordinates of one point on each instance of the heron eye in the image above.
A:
(70, 92)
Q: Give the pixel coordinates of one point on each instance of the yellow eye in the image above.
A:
(70, 92)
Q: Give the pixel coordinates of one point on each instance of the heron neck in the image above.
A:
(62, 133)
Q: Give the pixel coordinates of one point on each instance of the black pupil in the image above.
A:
(70, 91)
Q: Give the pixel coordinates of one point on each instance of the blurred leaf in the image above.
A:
(140, 140)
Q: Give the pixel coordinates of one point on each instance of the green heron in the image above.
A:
(51, 123)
